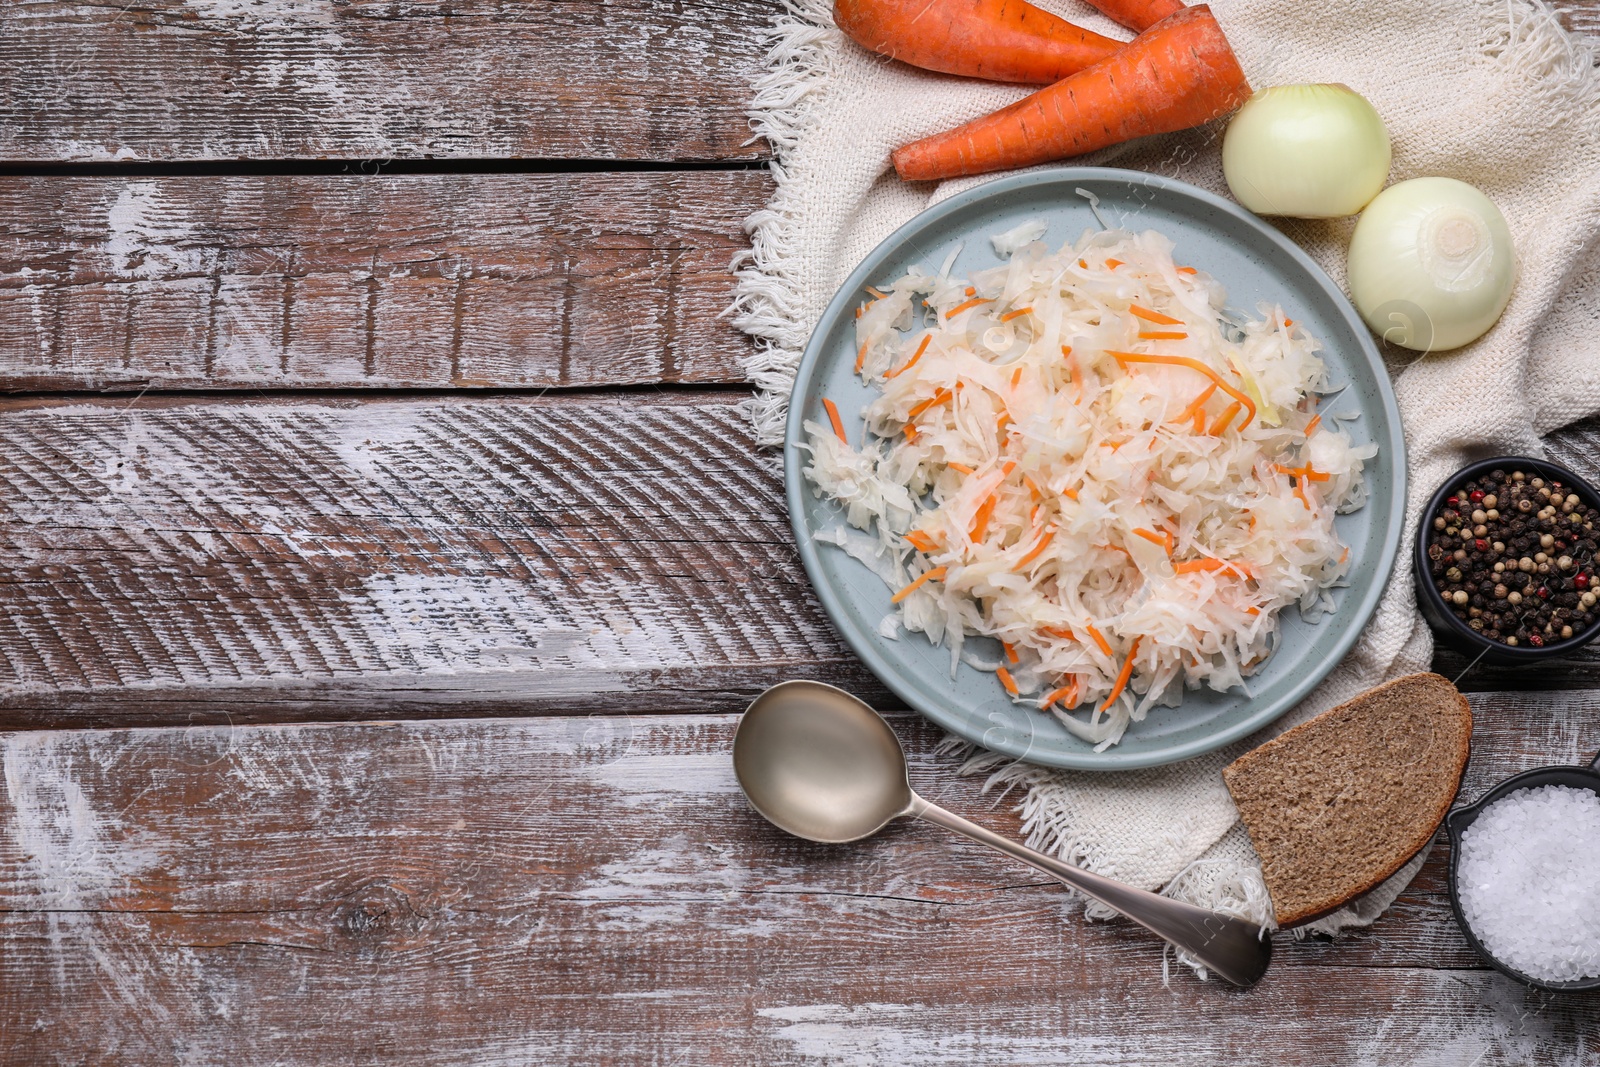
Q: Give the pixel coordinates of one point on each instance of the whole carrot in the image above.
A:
(1001, 40)
(1177, 74)
(1137, 15)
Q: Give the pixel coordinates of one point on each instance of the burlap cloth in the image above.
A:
(1492, 92)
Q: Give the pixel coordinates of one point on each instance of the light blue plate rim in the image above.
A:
(965, 724)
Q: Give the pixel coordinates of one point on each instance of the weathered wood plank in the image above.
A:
(595, 890)
(318, 282)
(377, 79)
(366, 558)
(349, 559)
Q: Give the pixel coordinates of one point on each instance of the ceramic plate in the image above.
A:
(1256, 263)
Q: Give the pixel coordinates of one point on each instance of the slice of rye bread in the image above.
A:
(1339, 803)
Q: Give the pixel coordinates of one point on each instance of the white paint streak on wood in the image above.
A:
(435, 546)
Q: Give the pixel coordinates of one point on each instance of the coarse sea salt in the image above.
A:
(1529, 881)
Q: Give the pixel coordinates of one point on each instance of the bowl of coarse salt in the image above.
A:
(1525, 876)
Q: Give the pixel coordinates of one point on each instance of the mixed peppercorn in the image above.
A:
(1513, 555)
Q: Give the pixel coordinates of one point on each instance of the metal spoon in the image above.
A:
(819, 763)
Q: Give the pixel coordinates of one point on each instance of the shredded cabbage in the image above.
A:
(1127, 526)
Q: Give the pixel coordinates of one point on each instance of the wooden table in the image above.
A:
(386, 562)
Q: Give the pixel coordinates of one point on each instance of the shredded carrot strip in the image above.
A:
(959, 308)
(1123, 676)
(1288, 322)
(1161, 335)
(908, 364)
(1194, 409)
(1252, 611)
(833, 417)
(1153, 316)
(971, 291)
(1300, 491)
(1113, 264)
(879, 293)
(1033, 487)
(1033, 515)
(1194, 365)
(1099, 639)
(1225, 418)
(1009, 466)
(962, 467)
(1017, 314)
(1211, 563)
(1305, 473)
(1311, 427)
(1033, 554)
(1001, 420)
(858, 312)
(1070, 494)
(937, 574)
(941, 397)
(980, 520)
(1006, 680)
(1060, 631)
(922, 540)
(1069, 693)
(1163, 539)
(861, 357)
(1082, 264)
(1011, 652)
(1345, 555)
(910, 431)
(1187, 270)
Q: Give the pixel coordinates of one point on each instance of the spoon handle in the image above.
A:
(1235, 949)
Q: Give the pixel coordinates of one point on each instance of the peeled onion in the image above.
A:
(1308, 151)
(1431, 264)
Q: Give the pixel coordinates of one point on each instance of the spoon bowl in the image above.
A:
(817, 762)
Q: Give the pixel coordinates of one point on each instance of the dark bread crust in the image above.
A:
(1338, 804)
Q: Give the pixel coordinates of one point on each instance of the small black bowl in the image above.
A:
(1457, 822)
(1431, 602)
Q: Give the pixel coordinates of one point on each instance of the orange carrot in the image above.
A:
(1153, 316)
(1190, 566)
(1122, 678)
(1017, 314)
(1113, 264)
(1011, 652)
(959, 308)
(908, 364)
(962, 467)
(1099, 639)
(1187, 270)
(937, 574)
(1225, 418)
(1006, 468)
(1199, 402)
(922, 540)
(861, 357)
(1069, 693)
(1161, 335)
(910, 431)
(932, 402)
(1137, 15)
(1033, 554)
(980, 519)
(1163, 539)
(1001, 420)
(1179, 73)
(1006, 680)
(1311, 427)
(998, 40)
(1195, 365)
(833, 417)
(1060, 631)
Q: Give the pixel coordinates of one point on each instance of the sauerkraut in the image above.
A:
(1086, 456)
